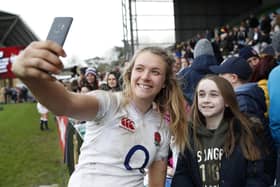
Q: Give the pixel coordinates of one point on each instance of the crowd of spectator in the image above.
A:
(88, 78)
(17, 94)
(245, 55)
(227, 40)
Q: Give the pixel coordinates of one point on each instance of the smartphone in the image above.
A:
(59, 29)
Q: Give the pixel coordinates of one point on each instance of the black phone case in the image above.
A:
(59, 29)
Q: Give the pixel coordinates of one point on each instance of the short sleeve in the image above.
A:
(107, 103)
(164, 146)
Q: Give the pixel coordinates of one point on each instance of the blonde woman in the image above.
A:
(126, 132)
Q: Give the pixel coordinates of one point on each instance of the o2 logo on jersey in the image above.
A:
(131, 152)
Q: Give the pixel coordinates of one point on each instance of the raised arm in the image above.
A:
(34, 67)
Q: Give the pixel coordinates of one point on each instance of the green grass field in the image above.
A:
(29, 157)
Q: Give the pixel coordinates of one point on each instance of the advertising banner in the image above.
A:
(7, 57)
(62, 122)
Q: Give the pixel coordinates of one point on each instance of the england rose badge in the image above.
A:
(157, 138)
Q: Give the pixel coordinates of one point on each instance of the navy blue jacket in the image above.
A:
(190, 76)
(251, 100)
(236, 170)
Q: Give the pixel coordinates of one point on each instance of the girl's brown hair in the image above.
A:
(237, 121)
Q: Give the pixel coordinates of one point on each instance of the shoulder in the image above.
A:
(108, 100)
(157, 118)
(106, 95)
(275, 70)
(274, 74)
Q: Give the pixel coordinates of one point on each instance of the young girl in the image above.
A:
(223, 149)
(126, 131)
(91, 79)
(113, 82)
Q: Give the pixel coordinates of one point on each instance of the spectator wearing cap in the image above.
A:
(203, 58)
(274, 93)
(250, 97)
(91, 77)
(250, 55)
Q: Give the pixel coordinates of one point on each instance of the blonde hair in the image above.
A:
(169, 101)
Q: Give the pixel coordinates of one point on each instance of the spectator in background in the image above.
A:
(112, 83)
(254, 37)
(185, 62)
(225, 42)
(265, 25)
(267, 50)
(176, 67)
(85, 89)
(91, 77)
(10, 94)
(253, 24)
(82, 79)
(241, 35)
(74, 85)
(276, 25)
(102, 83)
(273, 16)
(226, 149)
(253, 21)
(250, 55)
(43, 111)
(260, 75)
(23, 94)
(203, 58)
(74, 72)
(117, 71)
(217, 52)
(250, 97)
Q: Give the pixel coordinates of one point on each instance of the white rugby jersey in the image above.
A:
(119, 144)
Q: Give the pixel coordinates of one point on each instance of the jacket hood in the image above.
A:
(203, 47)
(203, 62)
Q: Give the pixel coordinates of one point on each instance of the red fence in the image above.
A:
(62, 122)
(7, 57)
